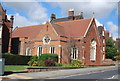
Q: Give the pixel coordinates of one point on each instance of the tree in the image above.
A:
(71, 43)
(111, 49)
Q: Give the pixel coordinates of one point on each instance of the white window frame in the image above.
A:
(28, 50)
(74, 53)
(103, 33)
(0, 31)
(38, 51)
(93, 49)
(103, 41)
(51, 49)
(103, 48)
(103, 57)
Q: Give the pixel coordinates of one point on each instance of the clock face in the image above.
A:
(46, 39)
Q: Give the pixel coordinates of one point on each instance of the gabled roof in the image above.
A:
(29, 31)
(74, 28)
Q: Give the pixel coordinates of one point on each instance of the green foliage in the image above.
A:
(43, 60)
(8, 53)
(33, 61)
(53, 57)
(76, 63)
(111, 50)
(58, 64)
(49, 63)
(11, 59)
(41, 63)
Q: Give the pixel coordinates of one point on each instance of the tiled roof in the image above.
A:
(75, 28)
(30, 31)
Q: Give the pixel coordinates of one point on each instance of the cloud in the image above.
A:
(21, 21)
(101, 9)
(98, 23)
(113, 29)
(33, 11)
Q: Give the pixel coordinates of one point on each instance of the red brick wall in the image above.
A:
(92, 33)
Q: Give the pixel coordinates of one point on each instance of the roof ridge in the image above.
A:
(71, 21)
(30, 26)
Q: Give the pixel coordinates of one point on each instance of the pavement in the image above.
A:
(59, 73)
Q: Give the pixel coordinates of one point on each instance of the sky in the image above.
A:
(38, 12)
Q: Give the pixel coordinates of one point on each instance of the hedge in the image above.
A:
(11, 59)
(53, 57)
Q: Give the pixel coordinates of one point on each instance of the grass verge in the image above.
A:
(14, 67)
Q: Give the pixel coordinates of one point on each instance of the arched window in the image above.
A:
(28, 51)
(93, 50)
(40, 50)
(74, 54)
(52, 49)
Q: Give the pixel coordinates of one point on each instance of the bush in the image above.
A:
(53, 57)
(58, 64)
(7, 53)
(117, 57)
(49, 63)
(11, 59)
(44, 60)
(41, 63)
(76, 63)
(33, 61)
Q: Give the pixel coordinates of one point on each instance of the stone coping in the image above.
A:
(52, 67)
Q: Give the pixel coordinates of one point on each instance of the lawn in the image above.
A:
(14, 67)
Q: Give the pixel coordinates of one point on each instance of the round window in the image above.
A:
(46, 39)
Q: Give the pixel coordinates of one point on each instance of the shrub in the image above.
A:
(11, 59)
(49, 63)
(76, 63)
(7, 53)
(58, 64)
(43, 60)
(41, 63)
(53, 57)
(33, 61)
(117, 57)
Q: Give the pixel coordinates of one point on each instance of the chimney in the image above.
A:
(11, 20)
(53, 16)
(10, 29)
(71, 12)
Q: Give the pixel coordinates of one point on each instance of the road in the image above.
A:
(108, 72)
(112, 74)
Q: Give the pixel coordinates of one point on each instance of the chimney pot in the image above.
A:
(53, 16)
(71, 12)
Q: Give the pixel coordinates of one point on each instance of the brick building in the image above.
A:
(71, 37)
(5, 30)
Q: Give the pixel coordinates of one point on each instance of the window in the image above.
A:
(52, 49)
(103, 40)
(93, 50)
(0, 31)
(103, 33)
(46, 39)
(103, 56)
(74, 53)
(103, 48)
(28, 51)
(40, 50)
